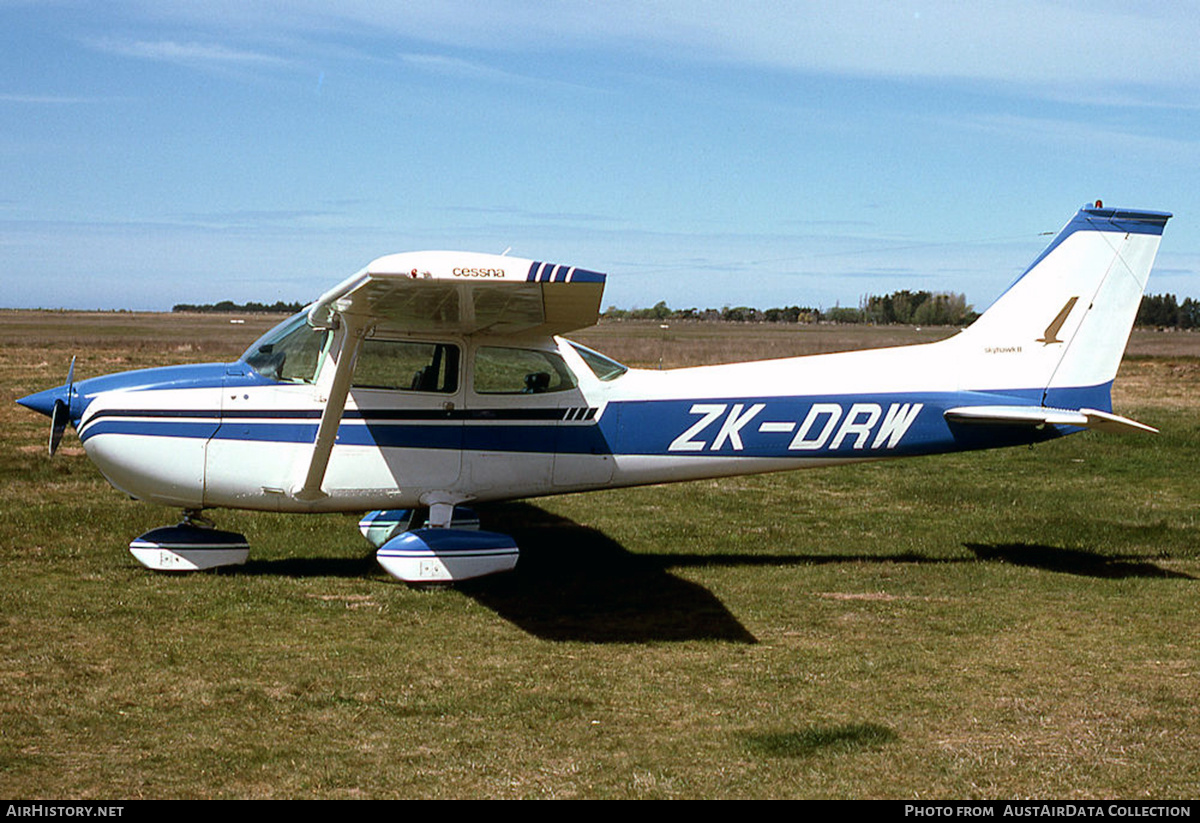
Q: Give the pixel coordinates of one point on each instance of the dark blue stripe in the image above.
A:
(369, 415)
(202, 431)
(648, 427)
(585, 276)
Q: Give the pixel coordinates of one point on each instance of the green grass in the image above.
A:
(1011, 623)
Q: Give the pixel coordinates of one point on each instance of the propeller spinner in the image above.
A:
(55, 404)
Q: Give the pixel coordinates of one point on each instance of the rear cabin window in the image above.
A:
(520, 371)
(404, 365)
(603, 367)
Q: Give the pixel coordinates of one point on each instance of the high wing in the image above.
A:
(464, 293)
(461, 293)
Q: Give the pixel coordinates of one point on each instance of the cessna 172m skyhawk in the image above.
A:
(429, 380)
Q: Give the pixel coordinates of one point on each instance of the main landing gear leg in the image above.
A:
(191, 545)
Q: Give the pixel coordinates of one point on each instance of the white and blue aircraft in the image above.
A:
(431, 380)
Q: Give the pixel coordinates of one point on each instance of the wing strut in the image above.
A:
(335, 405)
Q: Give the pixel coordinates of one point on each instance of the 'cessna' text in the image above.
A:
(461, 272)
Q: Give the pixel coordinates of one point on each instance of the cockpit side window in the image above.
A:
(405, 365)
(520, 371)
(290, 352)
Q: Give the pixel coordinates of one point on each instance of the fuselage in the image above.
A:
(228, 435)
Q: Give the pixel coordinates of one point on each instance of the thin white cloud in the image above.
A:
(1072, 132)
(519, 215)
(457, 67)
(1023, 41)
(187, 53)
(1066, 49)
(473, 71)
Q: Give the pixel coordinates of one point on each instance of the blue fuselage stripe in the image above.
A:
(874, 425)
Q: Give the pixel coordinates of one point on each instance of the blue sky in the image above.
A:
(702, 153)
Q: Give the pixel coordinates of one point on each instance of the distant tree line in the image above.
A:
(1165, 312)
(919, 308)
(734, 314)
(225, 306)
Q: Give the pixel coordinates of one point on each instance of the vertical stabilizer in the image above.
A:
(1061, 328)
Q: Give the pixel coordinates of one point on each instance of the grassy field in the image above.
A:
(1017, 623)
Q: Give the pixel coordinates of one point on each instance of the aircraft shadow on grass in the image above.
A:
(1081, 562)
(1072, 561)
(364, 566)
(572, 583)
(575, 583)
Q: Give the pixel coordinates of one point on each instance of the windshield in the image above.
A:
(290, 352)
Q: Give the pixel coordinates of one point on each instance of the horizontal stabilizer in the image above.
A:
(1041, 416)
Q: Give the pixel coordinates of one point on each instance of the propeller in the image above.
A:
(61, 414)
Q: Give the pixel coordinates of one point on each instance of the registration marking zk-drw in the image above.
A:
(864, 425)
